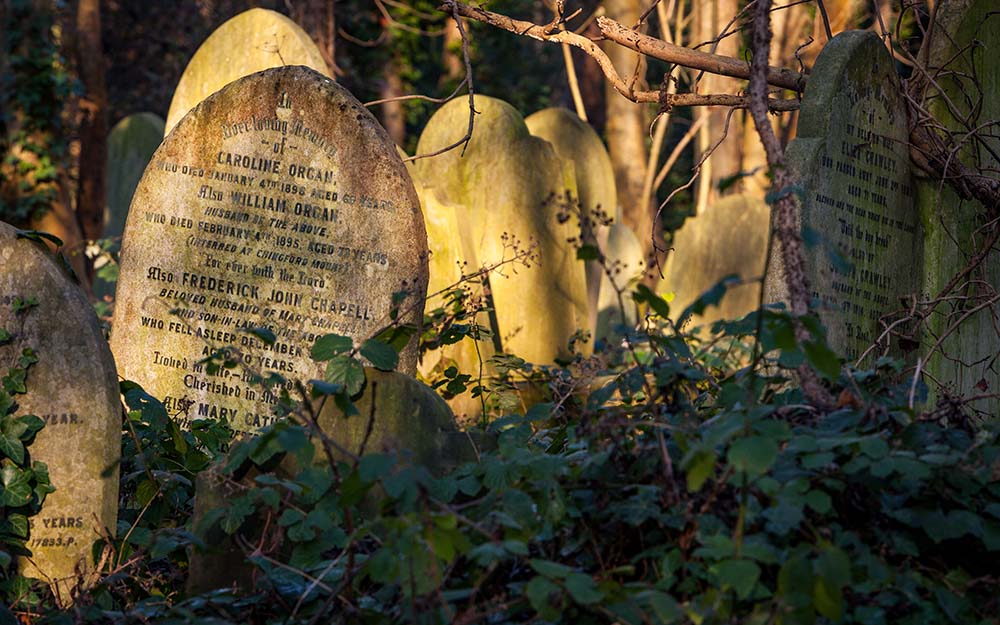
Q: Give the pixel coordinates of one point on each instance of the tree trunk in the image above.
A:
(625, 129)
(392, 114)
(93, 120)
(317, 17)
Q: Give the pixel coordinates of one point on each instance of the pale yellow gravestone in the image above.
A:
(625, 262)
(576, 142)
(730, 238)
(73, 388)
(252, 41)
(509, 187)
(278, 202)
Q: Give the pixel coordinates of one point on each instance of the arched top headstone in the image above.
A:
(277, 202)
(73, 388)
(729, 238)
(131, 144)
(851, 158)
(250, 42)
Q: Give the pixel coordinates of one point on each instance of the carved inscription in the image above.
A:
(273, 222)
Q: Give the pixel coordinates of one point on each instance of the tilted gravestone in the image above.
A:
(729, 238)
(131, 144)
(576, 142)
(508, 186)
(278, 202)
(851, 157)
(73, 388)
(250, 42)
(625, 261)
(961, 55)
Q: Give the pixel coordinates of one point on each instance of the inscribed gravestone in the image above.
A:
(961, 53)
(278, 202)
(576, 142)
(625, 260)
(852, 160)
(729, 238)
(252, 41)
(131, 144)
(508, 181)
(73, 388)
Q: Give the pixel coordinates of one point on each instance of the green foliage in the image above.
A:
(33, 88)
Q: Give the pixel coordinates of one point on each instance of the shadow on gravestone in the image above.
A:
(961, 55)
(131, 144)
(576, 142)
(277, 202)
(250, 42)
(851, 160)
(396, 415)
(73, 388)
(509, 182)
(729, 238)
(625, 260)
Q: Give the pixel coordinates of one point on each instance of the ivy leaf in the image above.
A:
(754, 454)
(583, 589)
(345, 370)
(740, 575)
(326, 347)
(16, 485)
(823, 359)
(381, 355)
(11, 447)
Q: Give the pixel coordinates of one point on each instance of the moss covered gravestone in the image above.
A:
(962, 342)
(131, 144)
(858, 218)
(280, 203)
(73, 388)
(576, 142)
(508, 187)
(626, 264)
(729, 238)
(252, 41)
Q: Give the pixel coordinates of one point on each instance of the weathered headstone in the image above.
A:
(278, 202)
(852, 159)
(509, 182)
(730, 238)
(131, 144)
(73, 388)
(576, 142)
(961, 53)
(250, 42)
(624, 259)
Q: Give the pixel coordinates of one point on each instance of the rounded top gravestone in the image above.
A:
(508, 182)
(729, 238)
(576, 142)
(278, 202)
(851, 158)
(131, 144)
(252, 41)
(73, 388)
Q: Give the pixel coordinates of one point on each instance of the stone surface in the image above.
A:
(509, 182)
(962, 56)
(729, 238)
(74, 389)
(278, 202)
(576, 142)
(852, 161)
(250, 42)
(131, 144)
(624, 257)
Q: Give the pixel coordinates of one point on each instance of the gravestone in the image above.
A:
(131, 144)
(961, 52)
(448, 261)
(576, 142)
(278, 202)
(624, 258)
(73, 388)
(250, 42)
(508, 186)
(728, 238)
(851, 158)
